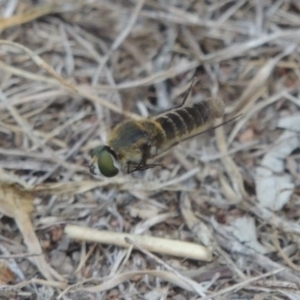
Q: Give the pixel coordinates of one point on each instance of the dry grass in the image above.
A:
(69, 70)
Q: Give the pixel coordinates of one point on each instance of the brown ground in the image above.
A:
(72, 69)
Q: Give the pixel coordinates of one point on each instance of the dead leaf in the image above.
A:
(6, 276)
(14, 200)
(246, 136)
(17, 204)
(291, 123)
(243, 229)
(274, 187)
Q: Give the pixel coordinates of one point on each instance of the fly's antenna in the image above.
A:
(186, 95)
(194, 80)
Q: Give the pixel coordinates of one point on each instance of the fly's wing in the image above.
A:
(172, 145)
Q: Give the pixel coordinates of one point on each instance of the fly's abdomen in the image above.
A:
(186, 120)
(172, 125)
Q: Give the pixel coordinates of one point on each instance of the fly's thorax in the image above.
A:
(127, 134)
(131, 140)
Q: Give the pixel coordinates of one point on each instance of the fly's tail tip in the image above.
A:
(218, 107)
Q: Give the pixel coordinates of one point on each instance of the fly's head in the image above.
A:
(104, 161)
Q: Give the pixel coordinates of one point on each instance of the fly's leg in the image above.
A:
(187, 93)
(145, 150)
(128, 168)
(142, 165)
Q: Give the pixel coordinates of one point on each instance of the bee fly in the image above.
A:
(133, 142)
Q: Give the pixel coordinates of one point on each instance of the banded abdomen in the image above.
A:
(185, 121)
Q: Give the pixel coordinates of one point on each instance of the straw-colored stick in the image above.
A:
(150, 243)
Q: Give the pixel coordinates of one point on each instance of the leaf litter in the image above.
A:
(70, 71)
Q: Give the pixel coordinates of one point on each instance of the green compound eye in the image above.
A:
(107, 161)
